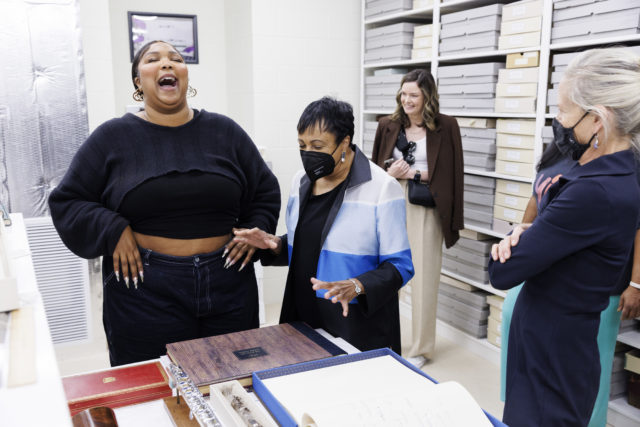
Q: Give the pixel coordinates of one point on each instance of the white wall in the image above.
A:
(302, 50)
(96, 47)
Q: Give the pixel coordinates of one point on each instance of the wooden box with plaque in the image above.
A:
(237, 355)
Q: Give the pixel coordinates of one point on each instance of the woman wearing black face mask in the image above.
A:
(346, 236)
(571, 257)
(557, 160)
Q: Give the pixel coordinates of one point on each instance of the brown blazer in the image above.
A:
(446, 168)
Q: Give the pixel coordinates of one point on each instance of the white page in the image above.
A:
(374, 392)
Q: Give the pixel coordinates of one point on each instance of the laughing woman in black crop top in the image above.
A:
(157, 195)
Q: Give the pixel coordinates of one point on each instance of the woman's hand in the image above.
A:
(502, 250)
(400, 170)
(127, 257)
(630, 303)
(342, 291)
(245, 244)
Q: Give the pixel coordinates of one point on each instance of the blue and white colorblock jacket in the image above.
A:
(366, 227)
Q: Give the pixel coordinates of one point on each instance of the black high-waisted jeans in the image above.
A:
(181, 298)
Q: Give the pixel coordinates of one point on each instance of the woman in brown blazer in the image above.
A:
(431, 153)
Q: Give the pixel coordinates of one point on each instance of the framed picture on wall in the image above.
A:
(179, 30)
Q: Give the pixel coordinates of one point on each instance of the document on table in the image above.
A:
(379, 391)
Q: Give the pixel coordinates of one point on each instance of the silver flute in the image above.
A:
(200, 408)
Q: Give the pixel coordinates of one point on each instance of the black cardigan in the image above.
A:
(124, 152)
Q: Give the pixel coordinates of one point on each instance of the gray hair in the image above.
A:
(606, 82)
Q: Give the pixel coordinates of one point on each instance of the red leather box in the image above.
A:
(116, 387)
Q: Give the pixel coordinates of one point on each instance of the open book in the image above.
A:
(380, 391)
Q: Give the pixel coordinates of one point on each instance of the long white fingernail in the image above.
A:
(117, 276)
(226, 263)
(241, 267)
(126, 281)
(135, 282)
(226, 251)
(141, 276)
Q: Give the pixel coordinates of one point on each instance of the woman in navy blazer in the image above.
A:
(573, 253)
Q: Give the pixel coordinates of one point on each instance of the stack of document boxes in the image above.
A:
(377, 8)
(466, 310)
(619, 376)
(521, 25)
(511, 201)
(389, 43)
(559, 63)
(575, 20)
(478, 143)
(381, 88)
(468, 87)
(479, 200)
(517, 90)
(494, 327)
(470, 30)
(422, 42)
(469, 258)
(515, 141)
(370, 127)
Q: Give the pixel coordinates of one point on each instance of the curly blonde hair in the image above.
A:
(431, 108)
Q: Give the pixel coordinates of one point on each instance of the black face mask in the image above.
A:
(317, 164)
(565, 139)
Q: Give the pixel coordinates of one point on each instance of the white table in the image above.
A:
(44, 402)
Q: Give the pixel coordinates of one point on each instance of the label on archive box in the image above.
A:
(510, 201)
(523, 60)
(515, 105)
(524, 170)
(515, 126)
(519, 75)
(508, 214)
(514, 140)
(515, 155)
(522, 9)
(520, 189)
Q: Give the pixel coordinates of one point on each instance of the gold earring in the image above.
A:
(137, 95)
(191, 92)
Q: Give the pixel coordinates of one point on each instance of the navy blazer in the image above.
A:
(577, 247)
(571, 259)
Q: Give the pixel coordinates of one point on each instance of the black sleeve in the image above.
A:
(85, 225)
(269, 258)
(261, 200)
(379, 284)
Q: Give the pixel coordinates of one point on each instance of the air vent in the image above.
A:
(63, 281)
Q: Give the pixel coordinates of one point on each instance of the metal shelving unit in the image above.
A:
(546, 48)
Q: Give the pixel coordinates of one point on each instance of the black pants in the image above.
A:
(181, 298)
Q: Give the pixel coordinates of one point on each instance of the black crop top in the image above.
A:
(188, 205)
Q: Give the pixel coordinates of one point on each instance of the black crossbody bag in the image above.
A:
(419, 192)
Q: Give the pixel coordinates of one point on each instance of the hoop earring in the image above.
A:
(595, 144)
(137, 95)
(191, 92)
(343, 156)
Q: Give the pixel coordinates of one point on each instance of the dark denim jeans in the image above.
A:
(181, 298)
